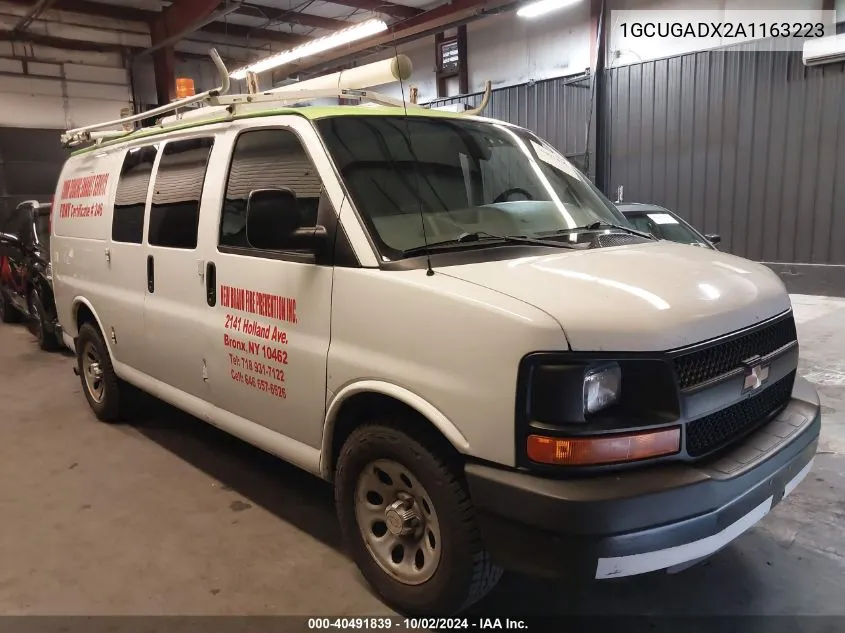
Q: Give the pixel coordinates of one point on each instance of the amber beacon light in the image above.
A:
(606, 449)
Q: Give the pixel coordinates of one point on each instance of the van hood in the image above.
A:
(657, 296)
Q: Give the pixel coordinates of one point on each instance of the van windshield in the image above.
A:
(427, 179)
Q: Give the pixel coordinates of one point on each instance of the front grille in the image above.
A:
(702, 365)
(714, 431)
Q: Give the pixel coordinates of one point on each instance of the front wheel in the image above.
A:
(409, 523)
(103, 389)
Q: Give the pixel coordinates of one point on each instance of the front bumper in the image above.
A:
(638, 521)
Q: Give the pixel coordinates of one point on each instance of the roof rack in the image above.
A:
(225, 105)
(80, 135)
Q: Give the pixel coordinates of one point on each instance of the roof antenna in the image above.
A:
(429, 270)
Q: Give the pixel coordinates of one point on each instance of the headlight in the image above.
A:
(565, 393)
(602, 386)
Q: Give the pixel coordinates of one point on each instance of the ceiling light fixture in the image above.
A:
(320, 45)
(542, 7)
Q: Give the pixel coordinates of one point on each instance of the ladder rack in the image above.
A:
(217, 104)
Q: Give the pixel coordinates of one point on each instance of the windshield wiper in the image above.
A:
(595, 226)
(477, 236)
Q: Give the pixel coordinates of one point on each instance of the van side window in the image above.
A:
(269, 159)
(131, 197)
(175, 212)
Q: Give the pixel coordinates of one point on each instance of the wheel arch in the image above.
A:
(352, 404)
(83, 312)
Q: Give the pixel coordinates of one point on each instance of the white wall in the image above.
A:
(44, 87)
(47, 87)
(507, 50)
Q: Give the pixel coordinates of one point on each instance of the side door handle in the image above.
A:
(151, 282)
(211, 284)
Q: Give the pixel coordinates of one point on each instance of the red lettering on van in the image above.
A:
(261, 303)
(85, 187)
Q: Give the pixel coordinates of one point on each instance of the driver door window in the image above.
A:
(268, 159)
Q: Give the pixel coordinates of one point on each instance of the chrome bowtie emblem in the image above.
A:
(755, 376)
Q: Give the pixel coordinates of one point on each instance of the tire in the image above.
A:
(8, 313)
(101, 386)
(47, 340)
(462, 570)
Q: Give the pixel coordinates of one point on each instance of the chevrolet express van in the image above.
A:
(440, 315)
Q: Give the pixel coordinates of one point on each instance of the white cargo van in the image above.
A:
(442, 316)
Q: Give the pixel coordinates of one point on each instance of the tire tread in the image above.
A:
(485, 574)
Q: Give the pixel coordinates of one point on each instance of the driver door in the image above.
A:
(269, 299)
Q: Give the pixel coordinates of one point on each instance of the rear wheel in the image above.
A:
(103, 389)
(409, 523)
(8, 313)
(43, 331)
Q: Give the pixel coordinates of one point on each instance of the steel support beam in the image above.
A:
(178, 20)
(599, 162)
(292, 17)
(86, 7)
(64, 42)
(164, 67)
(30, 16)
(252, 33)
(181, 18)
(379, 6)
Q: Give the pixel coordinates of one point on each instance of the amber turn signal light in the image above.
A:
(603, 449)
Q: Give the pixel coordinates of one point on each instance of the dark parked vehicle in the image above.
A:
(26, 276)
(665, 224)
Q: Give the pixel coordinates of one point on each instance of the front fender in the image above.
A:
(79, 302)
(403, 395)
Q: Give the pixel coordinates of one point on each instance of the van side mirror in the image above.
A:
(273, 223)
(10, 239)
(714, 238)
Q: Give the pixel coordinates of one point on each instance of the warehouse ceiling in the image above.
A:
(242, 30)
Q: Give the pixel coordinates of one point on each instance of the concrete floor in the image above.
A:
(171, 516)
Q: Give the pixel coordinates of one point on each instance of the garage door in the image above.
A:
(30, 161)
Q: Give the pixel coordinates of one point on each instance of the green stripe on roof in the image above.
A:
(310, 112)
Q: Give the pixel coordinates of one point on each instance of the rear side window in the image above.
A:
(269, 159)
(131, 197)
(175, 212)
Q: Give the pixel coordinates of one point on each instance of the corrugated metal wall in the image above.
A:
(556, 109)
(750, 145)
